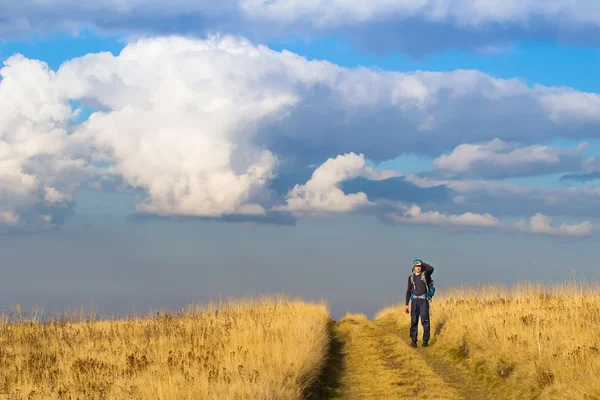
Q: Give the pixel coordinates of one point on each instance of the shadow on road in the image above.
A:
(328, 384)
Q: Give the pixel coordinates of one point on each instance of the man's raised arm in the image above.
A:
(428, 269)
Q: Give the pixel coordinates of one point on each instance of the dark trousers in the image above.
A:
(419, 308)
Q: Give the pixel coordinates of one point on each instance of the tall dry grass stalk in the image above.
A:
(266, 348)
(534, 341)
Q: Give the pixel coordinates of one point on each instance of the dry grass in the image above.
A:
(531, 341)
(378, 365)
(267, 348)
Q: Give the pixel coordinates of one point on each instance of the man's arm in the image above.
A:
(408, 292)
(428, 269)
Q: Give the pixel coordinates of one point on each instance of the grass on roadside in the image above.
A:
(530, 341)
(247, 349)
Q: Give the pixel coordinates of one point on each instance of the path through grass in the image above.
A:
(374, 363)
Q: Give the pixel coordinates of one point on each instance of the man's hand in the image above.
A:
(406, 309)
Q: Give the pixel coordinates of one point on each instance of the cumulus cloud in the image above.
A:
(379, 26)
(320, 110)
(414, 214)
(570, 104)
(40, 164)
(8, 219)
(179, 121)
(422, 112)
(322, 192)
(202, 124)
(505, 199)
(540, 223)
(498, 159)
(203, 128)
(537, 224)
(462, 12)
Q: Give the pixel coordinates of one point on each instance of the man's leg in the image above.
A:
(424, 313)
(414, 320)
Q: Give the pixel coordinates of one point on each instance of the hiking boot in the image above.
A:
(413, 344)
(425, 344)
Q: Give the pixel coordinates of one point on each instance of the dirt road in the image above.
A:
(373, 360)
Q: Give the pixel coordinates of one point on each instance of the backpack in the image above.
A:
(428, 283)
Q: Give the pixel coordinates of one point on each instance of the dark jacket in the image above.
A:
(420, 288)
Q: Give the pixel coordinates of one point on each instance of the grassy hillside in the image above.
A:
(529, 341)
(253, 349)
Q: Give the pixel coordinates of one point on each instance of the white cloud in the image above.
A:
(322, 192)
(500, 159)
(462, 12)
(537, 224)
(542, 224)
(180, 122)
(505, 199)
(38, 162)
(8, 218)
(378, 25)
(414, 214)
(452, 108)
(565, 104)
(202, 126)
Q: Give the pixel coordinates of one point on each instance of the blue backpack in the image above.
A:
(428, 284)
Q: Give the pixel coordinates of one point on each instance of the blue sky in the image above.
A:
(302, 154)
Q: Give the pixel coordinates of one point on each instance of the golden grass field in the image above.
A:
(268, 348)
(525, 342)
(529, 341)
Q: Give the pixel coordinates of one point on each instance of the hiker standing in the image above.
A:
(419, 291)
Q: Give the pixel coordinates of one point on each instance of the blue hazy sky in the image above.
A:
(357, 261)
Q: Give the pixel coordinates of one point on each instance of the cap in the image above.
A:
(417, 262)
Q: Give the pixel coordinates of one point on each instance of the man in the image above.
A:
(420, 300)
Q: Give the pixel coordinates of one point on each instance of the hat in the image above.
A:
(417, 262)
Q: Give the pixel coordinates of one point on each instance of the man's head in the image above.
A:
(417, 266)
